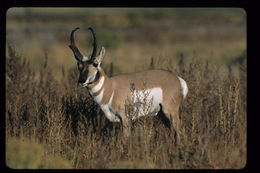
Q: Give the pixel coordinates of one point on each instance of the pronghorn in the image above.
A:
(165, 89)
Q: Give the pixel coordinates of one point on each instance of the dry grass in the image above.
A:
(49, 118)
(60, 120)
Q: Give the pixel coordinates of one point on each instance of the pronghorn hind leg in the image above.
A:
(171, 112)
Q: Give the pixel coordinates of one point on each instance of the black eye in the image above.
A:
(95, 65)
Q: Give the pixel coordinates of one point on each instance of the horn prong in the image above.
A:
(73, 46)
(94, 51)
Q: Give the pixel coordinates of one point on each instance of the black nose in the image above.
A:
(81, 80)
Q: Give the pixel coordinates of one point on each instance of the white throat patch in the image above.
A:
(90, 79)
(98, 86)
(99, 97)
(95, 89)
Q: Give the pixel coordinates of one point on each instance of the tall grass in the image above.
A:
(64, 121)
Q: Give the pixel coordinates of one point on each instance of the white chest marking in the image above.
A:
(99, 97)
(106, 108)
(111, 98)
(183, 86)
(147, 102)
(98, 86)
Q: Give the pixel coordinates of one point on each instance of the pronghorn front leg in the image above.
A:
(126, 127)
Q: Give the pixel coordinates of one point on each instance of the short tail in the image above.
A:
(184, 87)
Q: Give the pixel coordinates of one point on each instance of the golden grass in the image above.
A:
(59, 120)
(26, 154)
(49, 118)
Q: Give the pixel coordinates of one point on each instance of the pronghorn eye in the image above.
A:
(95, 65)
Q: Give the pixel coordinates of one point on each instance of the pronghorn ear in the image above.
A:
(101, 55)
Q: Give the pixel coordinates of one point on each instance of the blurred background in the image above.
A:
(131, 36)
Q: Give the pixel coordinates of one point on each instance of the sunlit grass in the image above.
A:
(57, 118)
(52, 123)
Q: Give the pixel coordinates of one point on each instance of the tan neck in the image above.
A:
(96, 82)
(101, 89)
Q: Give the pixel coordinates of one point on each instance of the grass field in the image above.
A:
(49, 119)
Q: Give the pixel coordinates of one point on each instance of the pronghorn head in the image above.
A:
(88, 65)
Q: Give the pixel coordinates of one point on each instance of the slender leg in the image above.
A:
(171, 112)
(126, 127)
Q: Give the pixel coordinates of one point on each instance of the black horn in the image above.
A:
(73, 46)
(94, 52)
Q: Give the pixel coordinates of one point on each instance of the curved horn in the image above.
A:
(73, 47)
(93, 55)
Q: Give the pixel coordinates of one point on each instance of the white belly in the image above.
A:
(146, 102)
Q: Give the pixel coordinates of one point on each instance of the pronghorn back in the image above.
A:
(165, 80)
